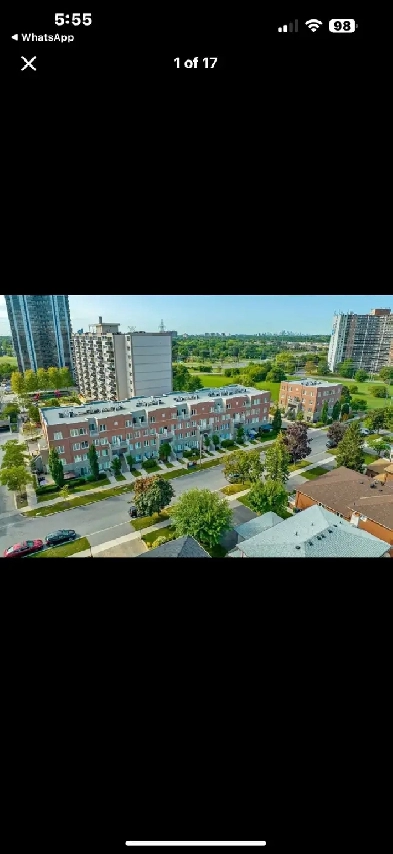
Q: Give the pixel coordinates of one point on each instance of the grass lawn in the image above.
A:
(314, 473)
(234, 488)
(120, 477)
(136, 473)
(85, 487)
(274, 389)
(302, 464)
(244, 499)
(364, 391)
(169, 465)
(21, 502)
(67, 549)
(370, 458)
(148, 521)
(81, 501)
(11, 360)
(169, 533)
(152, 469)
(267, 437)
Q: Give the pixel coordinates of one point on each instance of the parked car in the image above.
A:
(191, 465)
(331, 444)
(134, 514)
(364, 432)
(234, 478)
(24, 549)
(60, 537)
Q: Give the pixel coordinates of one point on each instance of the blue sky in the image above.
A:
(235, 314)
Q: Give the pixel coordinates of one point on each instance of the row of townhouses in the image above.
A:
(139, 426)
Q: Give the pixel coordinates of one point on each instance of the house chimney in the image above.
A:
(100, 320)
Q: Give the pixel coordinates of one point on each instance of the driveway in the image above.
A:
(132, 548)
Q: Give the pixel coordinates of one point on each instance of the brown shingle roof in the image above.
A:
(345, 491)
(378, 466)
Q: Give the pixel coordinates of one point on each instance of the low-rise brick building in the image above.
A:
(308, 396)
(139, 426)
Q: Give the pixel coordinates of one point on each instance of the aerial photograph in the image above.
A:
(196, 426)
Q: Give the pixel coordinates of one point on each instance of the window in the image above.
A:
(58, 436)
(85, 457)
(74, 433)
(129, 436)
(82, 431)
(193, 412)
(152, 441)
(152, 420)
(146, 443)
(152, 432)
(128, 423)
(102, 428)
(137, 434)
(145, 432)
(229, 406)
(180, 435)
(96, 442)
(105, 453)
(193, 424)
(76, 447)
(257, 400)
(84, 444)
(188, 425)
(104, 442)
(60, 449)
(137, 445)
(78, 459)
(63, 460)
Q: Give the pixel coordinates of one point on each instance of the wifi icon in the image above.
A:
(313, 24)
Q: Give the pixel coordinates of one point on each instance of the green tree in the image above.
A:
(350, 450)
(194, 384)
(361, 376)
(240, 435)
(13, 454)
(56, 467)
(276, 375)
(155, 494)
(131, 461)
(277, 461)
(33, 413)
(42, 379)
(165, 451)
(359, 405)
(216, 440)
(380, 391)
(30, 382)
(15, 478)
(379, 445)
(270, 496)
(277, 421)
(54, 378)
(310, 367)
(245, 464)
(160, 541)
(345, 411)
(336, 432)
(202, 514)
(93, 463)
(18, 383)
(386, 374)
(375, 421)
(346, 369)
(336, 410)
(323, 368)
(64, 492)
(325, 413)
(116, 466)
(11, 411)
(353, 389)
(345, 395)
(65, 378)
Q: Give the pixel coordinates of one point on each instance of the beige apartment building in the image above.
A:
(139, 426)
(110, 365)
(308, 396)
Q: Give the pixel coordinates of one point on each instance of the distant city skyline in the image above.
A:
(246, 314)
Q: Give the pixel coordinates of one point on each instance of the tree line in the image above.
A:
(45, 379)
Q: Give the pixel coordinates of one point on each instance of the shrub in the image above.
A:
(227, 443)
(150, 464)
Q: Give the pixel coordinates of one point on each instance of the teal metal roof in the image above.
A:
(314, 532)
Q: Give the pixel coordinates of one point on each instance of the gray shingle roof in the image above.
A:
(182, 547)
(313, 533)
(256, 526)
(345, 491)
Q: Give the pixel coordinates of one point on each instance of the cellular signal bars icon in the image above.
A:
(289, 28)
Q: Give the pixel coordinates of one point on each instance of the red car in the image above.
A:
(23, 549)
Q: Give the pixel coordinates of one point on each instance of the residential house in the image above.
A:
(365, 503)
(316, 533)
(308, 396)
(182, 547)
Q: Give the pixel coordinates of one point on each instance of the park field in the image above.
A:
(364, 392)
(11, 360)
(219, 381)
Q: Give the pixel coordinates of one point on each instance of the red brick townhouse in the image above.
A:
(138, 426)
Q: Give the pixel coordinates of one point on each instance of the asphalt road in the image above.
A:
(108, 520)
